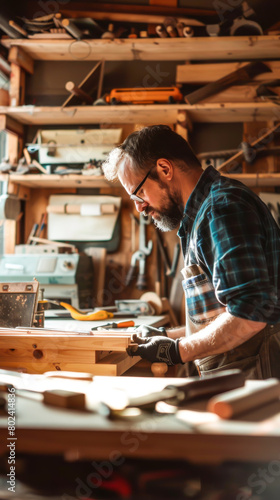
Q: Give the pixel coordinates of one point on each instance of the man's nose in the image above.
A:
(140, 207)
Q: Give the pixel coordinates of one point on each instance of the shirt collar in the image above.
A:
(198, 195)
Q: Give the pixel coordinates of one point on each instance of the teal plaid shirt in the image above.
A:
(229, 232)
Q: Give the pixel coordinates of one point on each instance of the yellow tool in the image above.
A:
(82, 316)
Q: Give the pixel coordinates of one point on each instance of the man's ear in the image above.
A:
(165, 169)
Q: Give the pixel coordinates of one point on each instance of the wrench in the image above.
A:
(140, 255)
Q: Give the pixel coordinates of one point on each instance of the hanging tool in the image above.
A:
(258, 142)
(83, 316)
(170, 268)
(140, 255)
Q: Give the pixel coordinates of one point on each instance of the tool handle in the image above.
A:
(245, 399)
(125, 324)
(212, 384)
(141, 283)
(130, 275)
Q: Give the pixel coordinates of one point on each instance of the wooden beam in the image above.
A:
(154, 49)
(18, 56)
(10, 125)
(17, 85)
(206, 73)
(15, 145)
(4, 66)
(85, 9)
(10, 230)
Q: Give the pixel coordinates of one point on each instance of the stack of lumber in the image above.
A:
(40, 350)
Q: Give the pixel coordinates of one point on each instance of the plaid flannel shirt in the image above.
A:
(229, 232)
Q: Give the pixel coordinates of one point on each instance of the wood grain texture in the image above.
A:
(210, 72)
(153, 49)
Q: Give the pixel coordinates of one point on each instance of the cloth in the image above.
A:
(231, 247)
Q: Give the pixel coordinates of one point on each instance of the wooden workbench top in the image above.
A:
(192, 433)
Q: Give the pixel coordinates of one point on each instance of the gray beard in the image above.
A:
(170, 217)
(166, 223)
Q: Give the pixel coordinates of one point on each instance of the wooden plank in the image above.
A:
(154, 49)
(10, 227)
(210, 72)
(57, 342)
(43, 367)
(10, 125)
(18, 56)
(5, 66)
(17, 85)
(60, 181)
(145, 114)
(95, 369)
(26, 355)
(131, 12)
(15, 143)
(236, 93)
(115, 364)
(33, 181)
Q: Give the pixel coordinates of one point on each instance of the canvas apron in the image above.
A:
(258, 357)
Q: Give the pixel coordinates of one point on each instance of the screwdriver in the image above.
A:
(108, 326)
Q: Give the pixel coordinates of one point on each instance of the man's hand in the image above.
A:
(156, 349)
(145, 331)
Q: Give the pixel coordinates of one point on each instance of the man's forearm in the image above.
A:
(224, 333)
(176, 333)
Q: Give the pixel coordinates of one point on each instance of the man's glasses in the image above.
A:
(134, 196)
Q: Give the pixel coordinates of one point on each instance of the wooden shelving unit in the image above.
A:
(152, 49)
(81, 181)
(147, 114)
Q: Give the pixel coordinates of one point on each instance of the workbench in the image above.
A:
(192, 435)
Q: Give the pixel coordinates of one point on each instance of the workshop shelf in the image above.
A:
(83, 181)
(151, 49)
(148, 113)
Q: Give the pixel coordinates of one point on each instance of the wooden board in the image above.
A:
(103, 353)
(59, 182)
(210, 72)
(63, 341)
(144, 114)
(113, 366)
(153, 49)
(18, 56)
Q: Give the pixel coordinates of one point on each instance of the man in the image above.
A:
(231, 248)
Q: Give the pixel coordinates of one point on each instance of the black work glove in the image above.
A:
(150, 331)
(156, 349)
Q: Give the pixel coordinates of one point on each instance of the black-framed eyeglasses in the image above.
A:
(133, 195)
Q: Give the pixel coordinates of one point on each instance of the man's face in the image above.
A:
(160, 200)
